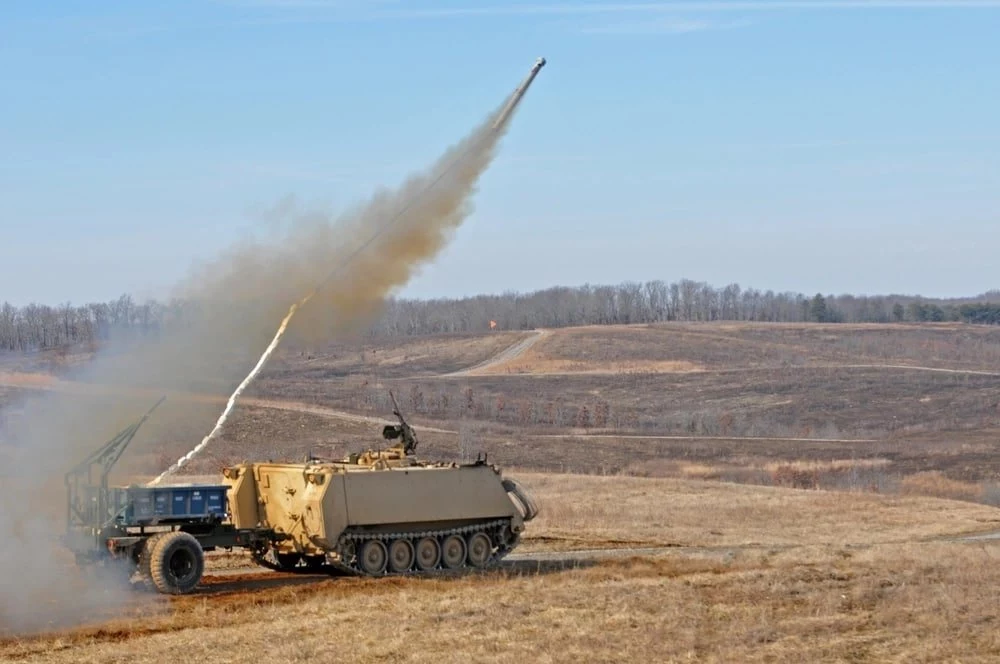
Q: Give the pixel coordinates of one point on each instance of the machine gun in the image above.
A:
(90, 505)
(401, 430)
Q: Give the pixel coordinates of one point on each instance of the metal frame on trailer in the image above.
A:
(104, 528)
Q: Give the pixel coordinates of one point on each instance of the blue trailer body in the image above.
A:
(163, 504)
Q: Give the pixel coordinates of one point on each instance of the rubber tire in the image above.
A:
(166, 551)
(147, 554)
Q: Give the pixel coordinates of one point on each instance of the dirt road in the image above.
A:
(45, 382)
(508, 354)
(516, 351)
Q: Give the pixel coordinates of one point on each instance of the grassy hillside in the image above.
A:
(772, 575)
(838, 406)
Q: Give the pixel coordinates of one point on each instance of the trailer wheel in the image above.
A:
(146, 553)
(177, 563)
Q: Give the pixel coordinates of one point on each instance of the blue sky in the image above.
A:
(833, 146)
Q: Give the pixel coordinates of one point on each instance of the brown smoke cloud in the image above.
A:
(355, 260)
(352, 262)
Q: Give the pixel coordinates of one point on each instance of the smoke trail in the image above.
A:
(236, 395)
(411, 226)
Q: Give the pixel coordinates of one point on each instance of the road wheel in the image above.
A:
(400, 556)
(453, 552)
(428, 554)
(480, 548)
(177, 563)
(373, 557)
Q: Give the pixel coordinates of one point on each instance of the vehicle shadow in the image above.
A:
(243, 581)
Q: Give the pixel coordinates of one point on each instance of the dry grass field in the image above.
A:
(747, 574)
(834, 406)
(892, 603)
(710, 492)
(821, 381)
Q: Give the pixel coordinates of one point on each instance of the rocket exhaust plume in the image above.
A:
(391, 236)
(236, 394)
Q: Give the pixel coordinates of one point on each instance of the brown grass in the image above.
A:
(581, 512)
(390, 357)
(727, 345)
(754, 573)
(20, 379)
(760, 382)
(543, 358)
(933, 483)
(528, 364)
(763, 574)
(925, 603)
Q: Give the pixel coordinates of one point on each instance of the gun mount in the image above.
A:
(402, 430)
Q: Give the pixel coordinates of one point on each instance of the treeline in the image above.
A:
(39, 327)
(658, 301)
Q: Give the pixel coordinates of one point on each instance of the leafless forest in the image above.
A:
(38, 326)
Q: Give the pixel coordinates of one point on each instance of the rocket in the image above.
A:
(518, 93)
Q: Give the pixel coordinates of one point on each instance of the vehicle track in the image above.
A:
(47, 383)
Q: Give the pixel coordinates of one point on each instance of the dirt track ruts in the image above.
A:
(508, 354)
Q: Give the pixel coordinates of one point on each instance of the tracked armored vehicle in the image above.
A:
(381, 512)
(376, 513)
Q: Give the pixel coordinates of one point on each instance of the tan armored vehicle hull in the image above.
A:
(382, 513)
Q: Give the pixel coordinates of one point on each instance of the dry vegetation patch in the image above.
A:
(914, 603)
(407, 356)
(587, 511)
(26, 380)
(763, 574)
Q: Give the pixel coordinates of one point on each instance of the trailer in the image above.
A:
(160, 533)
